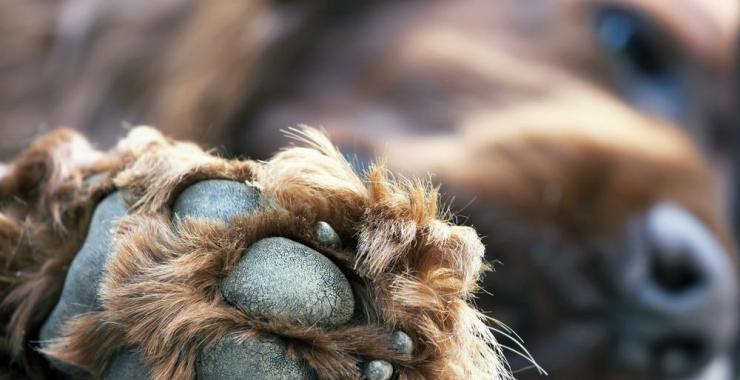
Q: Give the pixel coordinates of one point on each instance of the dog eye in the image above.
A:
(634, 42)
(643, 60)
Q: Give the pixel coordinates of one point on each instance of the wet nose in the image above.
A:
(677, 295)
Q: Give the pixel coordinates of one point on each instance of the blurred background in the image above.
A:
(592, 143)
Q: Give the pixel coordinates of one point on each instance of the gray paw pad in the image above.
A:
(262, 358)
(218, 199)
(278, 278)
(80, 292)
(127, 365)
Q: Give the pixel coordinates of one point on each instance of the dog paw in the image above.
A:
(296, 268)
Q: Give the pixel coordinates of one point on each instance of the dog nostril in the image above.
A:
(674, 273)
(677, 356)
(677, 296)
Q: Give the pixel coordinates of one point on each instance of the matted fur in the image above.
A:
(161, 291)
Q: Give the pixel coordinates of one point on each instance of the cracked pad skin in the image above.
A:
(283, 279)
(294, 267)
(251, 359)
(216, 199)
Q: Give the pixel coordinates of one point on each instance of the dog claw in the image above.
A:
(378, 370)
(402, 343)
(326, 235)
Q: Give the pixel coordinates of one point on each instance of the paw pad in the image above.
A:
(218, 199)
(254, 358)
(278, 278)
(80, 292)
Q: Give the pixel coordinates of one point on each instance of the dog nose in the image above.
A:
(677, 295)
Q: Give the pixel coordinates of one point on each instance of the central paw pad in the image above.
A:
(278, 278)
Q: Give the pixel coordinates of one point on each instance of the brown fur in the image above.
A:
(601, 176)
(161, 289)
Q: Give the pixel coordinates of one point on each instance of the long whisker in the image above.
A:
(525, 357)
(524, 353)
